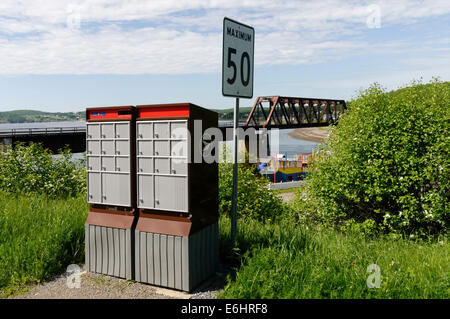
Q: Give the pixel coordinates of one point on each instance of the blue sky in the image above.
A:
(67, 55)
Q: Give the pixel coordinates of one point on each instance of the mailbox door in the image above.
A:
(122, 164)
(178, 129)
(122, 130)
(108, 147)
(178, 166)
(108, 164)
(107, 130)
(93, 131)
(122, 147)
(93, 147)
(161, 129)
(162, 148)
(144, 130)
(116, 189)
(162, 165)
(171, 193)
(94, 187)
(93, 163)
(178, 148)
(145, 165)
(145, 191)
(145, 148)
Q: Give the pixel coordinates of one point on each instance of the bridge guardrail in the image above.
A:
(41, 131)
(229, 123)
(70, 130)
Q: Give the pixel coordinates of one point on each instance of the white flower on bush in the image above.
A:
(428, 214)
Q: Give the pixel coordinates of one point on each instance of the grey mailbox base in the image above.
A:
(178, 262)
(109, 251)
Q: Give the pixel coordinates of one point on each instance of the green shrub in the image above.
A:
(28, 169)
(388, 161)
(254, 199)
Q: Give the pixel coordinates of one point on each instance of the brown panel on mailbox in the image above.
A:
(167, 226)
(110, 220)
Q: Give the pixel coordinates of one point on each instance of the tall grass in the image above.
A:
(284, 261)
(39, 237)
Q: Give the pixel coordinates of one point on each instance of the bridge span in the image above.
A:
(268, 112)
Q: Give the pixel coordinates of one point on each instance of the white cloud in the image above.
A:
(184, 36)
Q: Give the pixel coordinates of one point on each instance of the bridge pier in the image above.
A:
(75, 142)
(5, 142)
(256, 145)
(253, 144)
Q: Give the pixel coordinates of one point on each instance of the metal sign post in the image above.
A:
(237, 81)
(235, 174)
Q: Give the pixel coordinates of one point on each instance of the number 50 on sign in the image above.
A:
(237, 59)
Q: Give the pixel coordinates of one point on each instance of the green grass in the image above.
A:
(284, 261)
(39, 238)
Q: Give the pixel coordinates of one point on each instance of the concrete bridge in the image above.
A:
(55, 135)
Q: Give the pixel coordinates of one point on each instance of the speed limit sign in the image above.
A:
(237, 59)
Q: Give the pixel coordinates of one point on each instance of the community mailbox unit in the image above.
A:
(110, 144)
(176, 237)
(153, 213)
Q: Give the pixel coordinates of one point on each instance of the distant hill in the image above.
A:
(30, 116)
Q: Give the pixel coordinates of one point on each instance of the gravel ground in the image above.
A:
(286, 197)
(97, 286)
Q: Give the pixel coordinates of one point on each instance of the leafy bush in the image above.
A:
(388, 161)
(254, 199)
(27, 169)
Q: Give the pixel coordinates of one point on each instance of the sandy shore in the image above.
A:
(312, 134)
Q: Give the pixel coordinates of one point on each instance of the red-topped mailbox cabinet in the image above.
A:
(111, 175)
(176, 238)
(153, 197)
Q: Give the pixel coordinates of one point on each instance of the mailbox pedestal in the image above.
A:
(176, 237)
(175, 261)
(109, 229)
